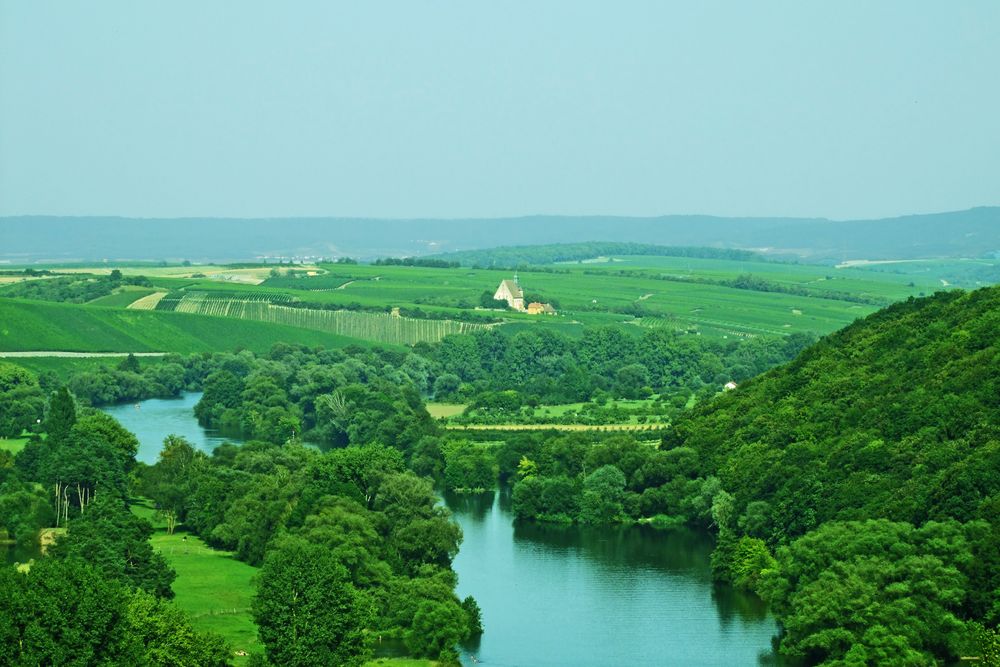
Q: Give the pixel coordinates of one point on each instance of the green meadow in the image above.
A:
(213, 588)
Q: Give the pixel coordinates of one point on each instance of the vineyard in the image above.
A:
(378, 327)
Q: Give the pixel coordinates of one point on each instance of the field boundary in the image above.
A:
(75, 355)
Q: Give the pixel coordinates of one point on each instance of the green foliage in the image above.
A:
(63, 612)
(469, 467)
(77, 288)
(21, 400)
(517, 256)
(61, 414)
(307, 611)
(870, 592)
(166, 635)
(892, 417)
(116, 542)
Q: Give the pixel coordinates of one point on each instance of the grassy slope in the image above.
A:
(714, 309)
(32, 325)
(210, 585)
(122, 298)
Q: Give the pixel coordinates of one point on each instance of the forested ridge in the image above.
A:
(870, 467)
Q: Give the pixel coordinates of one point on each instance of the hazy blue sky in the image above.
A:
(408, 108)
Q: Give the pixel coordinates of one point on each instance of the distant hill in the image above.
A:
(31, 239)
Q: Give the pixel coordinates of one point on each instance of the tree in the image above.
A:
(116, 543)
(168, 482)
(306, 609)
(63, 613)
(872, 592)
(603, 492)
(130, 364)
(21, 400)
(168, 639)
(62, 414)
(364, 467)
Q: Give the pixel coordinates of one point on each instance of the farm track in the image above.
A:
(77, 355)
(555, 427)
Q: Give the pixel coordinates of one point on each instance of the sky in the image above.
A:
(469, 108)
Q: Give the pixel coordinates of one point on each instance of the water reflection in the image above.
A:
(570, 595)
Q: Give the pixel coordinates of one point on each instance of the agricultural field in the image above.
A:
(352, 301)
(33, 325)
(378, 327)
(122, 298)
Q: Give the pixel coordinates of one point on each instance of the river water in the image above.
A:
(554, 595)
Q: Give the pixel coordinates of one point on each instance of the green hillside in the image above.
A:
(871, 466)
(28, 325)
(894, 416)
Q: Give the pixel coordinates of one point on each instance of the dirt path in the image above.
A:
(79, 355)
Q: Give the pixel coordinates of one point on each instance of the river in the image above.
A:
(554, 595)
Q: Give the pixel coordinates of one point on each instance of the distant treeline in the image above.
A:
(76, 288)
(745, 281)
(516, 256)
(416, 261)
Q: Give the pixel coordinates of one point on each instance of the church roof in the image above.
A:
(513, 287)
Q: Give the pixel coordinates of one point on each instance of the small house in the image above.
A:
(729, 386)
(535, 308)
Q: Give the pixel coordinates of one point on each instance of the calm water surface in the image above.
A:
(155, 419)
(555, 595)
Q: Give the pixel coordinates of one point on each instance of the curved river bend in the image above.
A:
(554, 595)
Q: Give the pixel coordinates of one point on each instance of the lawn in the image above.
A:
(445, 410)
(12, 445)
(212, 587)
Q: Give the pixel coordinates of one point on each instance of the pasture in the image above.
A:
(212, 587)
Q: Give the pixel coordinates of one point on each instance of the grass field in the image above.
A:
(33, 325)
(444, 410)
(376, 327)
(212, 587)
(12, 445)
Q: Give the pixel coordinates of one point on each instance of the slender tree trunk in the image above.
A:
(65, 504)
(58, 505)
